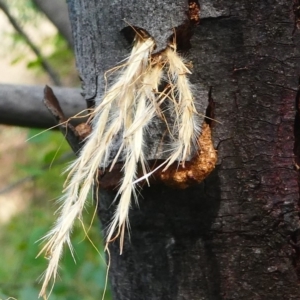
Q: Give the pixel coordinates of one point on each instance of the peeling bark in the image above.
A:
(235, 235)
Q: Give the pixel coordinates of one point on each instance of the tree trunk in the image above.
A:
(235, 235)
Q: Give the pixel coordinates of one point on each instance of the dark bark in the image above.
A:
(22, 105)
(235, 235)
(72, 134)
(57, 13)
(99, 47)
(98, 26)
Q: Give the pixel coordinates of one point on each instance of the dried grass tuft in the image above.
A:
(127, 107)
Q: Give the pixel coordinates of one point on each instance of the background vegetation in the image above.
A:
(41, 162)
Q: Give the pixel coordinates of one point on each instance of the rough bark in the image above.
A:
(99, 41)
(22, 105)
(95, 40)
(235, 235)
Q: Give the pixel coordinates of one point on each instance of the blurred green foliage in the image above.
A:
(47, 155)
(25, 11)
(53, 48)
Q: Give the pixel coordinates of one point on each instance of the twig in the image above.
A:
(15, 184)
(46, 66)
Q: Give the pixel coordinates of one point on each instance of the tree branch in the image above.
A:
(22, 105)
(57, 12)
(46, 66)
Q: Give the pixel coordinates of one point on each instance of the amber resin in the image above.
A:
(197, 169)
